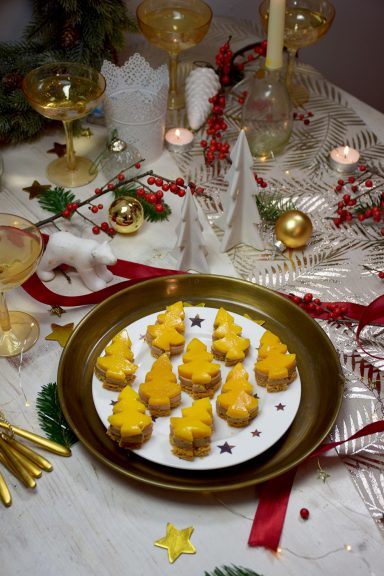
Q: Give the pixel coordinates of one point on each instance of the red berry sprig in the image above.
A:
(303, 117)
(223, 62)
(215, 148)
(314, 306)
(352, 204)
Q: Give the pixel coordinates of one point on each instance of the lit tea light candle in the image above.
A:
(179, 139)
(344, 159)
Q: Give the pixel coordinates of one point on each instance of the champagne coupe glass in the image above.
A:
(21, 246)
(66, 91)
(306, 21)
(174, 25)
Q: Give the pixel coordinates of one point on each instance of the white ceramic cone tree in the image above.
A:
(241, 219)
(200, 85)
(190, 242)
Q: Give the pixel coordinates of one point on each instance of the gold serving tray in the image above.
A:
(320, 372)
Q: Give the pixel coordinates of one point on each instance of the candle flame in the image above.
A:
(346, 151)
(177, 133)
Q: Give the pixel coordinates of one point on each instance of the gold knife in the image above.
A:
(5, 495)
(49, 445)
(29, 466)
(33, 456)
(8, 454)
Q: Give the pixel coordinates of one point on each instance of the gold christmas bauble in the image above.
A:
(293, 228)
(126, 215)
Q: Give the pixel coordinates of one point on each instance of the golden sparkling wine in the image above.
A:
(19, 251)
(175, 28)
(64, 97)
(303, 27)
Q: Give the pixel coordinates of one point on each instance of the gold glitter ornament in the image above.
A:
(126, 215)
(293, 229)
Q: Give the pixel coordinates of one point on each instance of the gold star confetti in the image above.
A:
(60, 333)
(37, 189)
(57, 310)
(59, 149)
(176, 542)
(322, 475)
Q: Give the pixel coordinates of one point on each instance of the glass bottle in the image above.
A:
(267, 114)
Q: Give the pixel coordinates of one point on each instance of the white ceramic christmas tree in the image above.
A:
(241, 219)
(190, 243)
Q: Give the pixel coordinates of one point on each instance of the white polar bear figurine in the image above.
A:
(89, 257)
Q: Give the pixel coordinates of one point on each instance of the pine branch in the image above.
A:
(56, 199)
(272, 205)
(51, 417)
(232, 571)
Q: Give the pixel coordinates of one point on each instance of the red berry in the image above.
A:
(381, 275)
(96, 230)
(165, 187)
(151, 180)
(66, 213)
(203, 143)
(121, 177)
(111, 186)
(338, 188)
(94, 209)
(159, 181)
(140, 191)
(346, 198)
(104, 226)
(159, 208)
(340, 182)
(308, 297)
(351, 179)
(369, 183)
(111, 231)
(100, 206)
(159, 194)
(137, 165)
(180, 181)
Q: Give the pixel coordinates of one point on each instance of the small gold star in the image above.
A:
(322, 475)
(37, 189)
(176, 542)
(57, 310)
(59, 149)
(60, 333)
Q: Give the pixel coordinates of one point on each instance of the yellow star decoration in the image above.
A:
(60, 333)
(176, 542)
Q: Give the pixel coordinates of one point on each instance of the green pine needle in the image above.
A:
(232, 571)
(56, 199)
(272, 205)
(51, 417)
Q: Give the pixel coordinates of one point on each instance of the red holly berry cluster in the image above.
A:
(260, 49)
(362, 210)
(223, 63)
(315, 307)
(70, 208)
(260, 181)
(303, 117)
(215, 148)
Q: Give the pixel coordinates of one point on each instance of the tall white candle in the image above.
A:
(276, 21)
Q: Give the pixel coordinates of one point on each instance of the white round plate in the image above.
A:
(229, 445)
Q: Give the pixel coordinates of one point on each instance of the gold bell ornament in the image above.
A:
(126, 215)
(293, 229)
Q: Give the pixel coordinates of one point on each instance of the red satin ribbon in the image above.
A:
(274, 496)
(123, 268)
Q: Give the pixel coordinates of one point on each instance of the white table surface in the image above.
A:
(84, 519)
